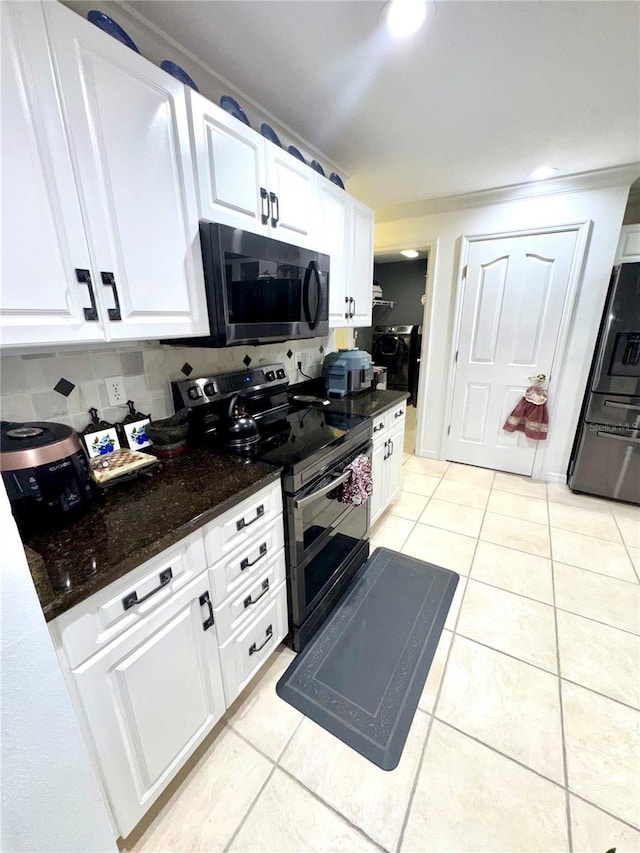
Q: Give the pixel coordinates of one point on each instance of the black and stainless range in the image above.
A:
(327, 540)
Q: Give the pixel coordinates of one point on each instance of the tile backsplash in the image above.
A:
(28, 382)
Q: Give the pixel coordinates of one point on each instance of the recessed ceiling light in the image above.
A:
(543, 172)
(404, 17)
(410, 253)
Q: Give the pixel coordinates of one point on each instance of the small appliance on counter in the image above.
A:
(45, 471)
(347, 371)
(379, 381)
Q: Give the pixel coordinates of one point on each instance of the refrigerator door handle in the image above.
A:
(612, 404)
(627, 438)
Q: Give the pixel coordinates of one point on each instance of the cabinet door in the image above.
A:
(43, 239)
(378, 474)
(292, 218)
(230, 166)
(150, 697)
(361, 275)
(394, 463)
(629, 245)
(129, 135)
(333, 212)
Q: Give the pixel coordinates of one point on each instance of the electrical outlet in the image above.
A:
(115, 390)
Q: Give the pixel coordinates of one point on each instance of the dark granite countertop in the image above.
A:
(368, 403)
(134, 521)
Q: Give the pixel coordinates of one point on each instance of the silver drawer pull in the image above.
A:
(132, 599)
(241, 524)
(265, 589)
(245, 564)
(253, 648)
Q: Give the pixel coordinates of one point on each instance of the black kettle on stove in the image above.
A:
(242, 434)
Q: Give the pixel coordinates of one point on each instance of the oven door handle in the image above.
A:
(309, 499)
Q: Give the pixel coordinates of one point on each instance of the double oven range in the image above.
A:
(327, 540)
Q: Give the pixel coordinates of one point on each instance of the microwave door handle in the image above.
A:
(312, 269)
(309, 499)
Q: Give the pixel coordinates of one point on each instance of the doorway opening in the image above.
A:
(395, 339)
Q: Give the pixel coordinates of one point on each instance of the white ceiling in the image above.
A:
(483, 94)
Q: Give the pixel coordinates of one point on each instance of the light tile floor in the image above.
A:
(527, 733)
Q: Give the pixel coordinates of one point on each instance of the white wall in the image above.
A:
(50, 796)
(605, 208)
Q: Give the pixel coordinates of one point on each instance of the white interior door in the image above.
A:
(512, 305)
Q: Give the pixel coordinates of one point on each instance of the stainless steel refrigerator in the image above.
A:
(606, 452)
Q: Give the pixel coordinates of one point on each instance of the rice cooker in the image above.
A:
(45, 471)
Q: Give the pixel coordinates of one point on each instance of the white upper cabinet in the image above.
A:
(333, 214)
(128, 129)
(44, 248)
(99, 213)
(361, 259)
(351, 283)
(629, 245)
(231, 167)
(293, 209)
(246, 181)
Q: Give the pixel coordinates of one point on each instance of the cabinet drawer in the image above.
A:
(379, 427)
(232, 572)
(245, 652)
(396, 414)
(242, 522)
(251, 599)
(102, 617)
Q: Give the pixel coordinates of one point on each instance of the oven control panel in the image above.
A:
(191, 393)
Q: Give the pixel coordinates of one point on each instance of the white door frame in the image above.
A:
(583, 231)
(431, 248)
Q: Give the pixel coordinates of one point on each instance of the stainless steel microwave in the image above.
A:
(260, 290)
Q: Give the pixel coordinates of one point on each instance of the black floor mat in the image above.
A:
(362, 675)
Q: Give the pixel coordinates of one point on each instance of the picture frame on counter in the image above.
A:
(135, 434)
(101, 441)
(133, 429)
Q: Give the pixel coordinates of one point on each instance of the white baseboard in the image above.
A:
(426, 454)
(552, 477)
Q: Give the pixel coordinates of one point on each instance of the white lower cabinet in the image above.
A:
(386, 461)
(248, 649)
(153, 660)
(150, 697)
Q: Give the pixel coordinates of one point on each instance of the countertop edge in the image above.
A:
(56, 607)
